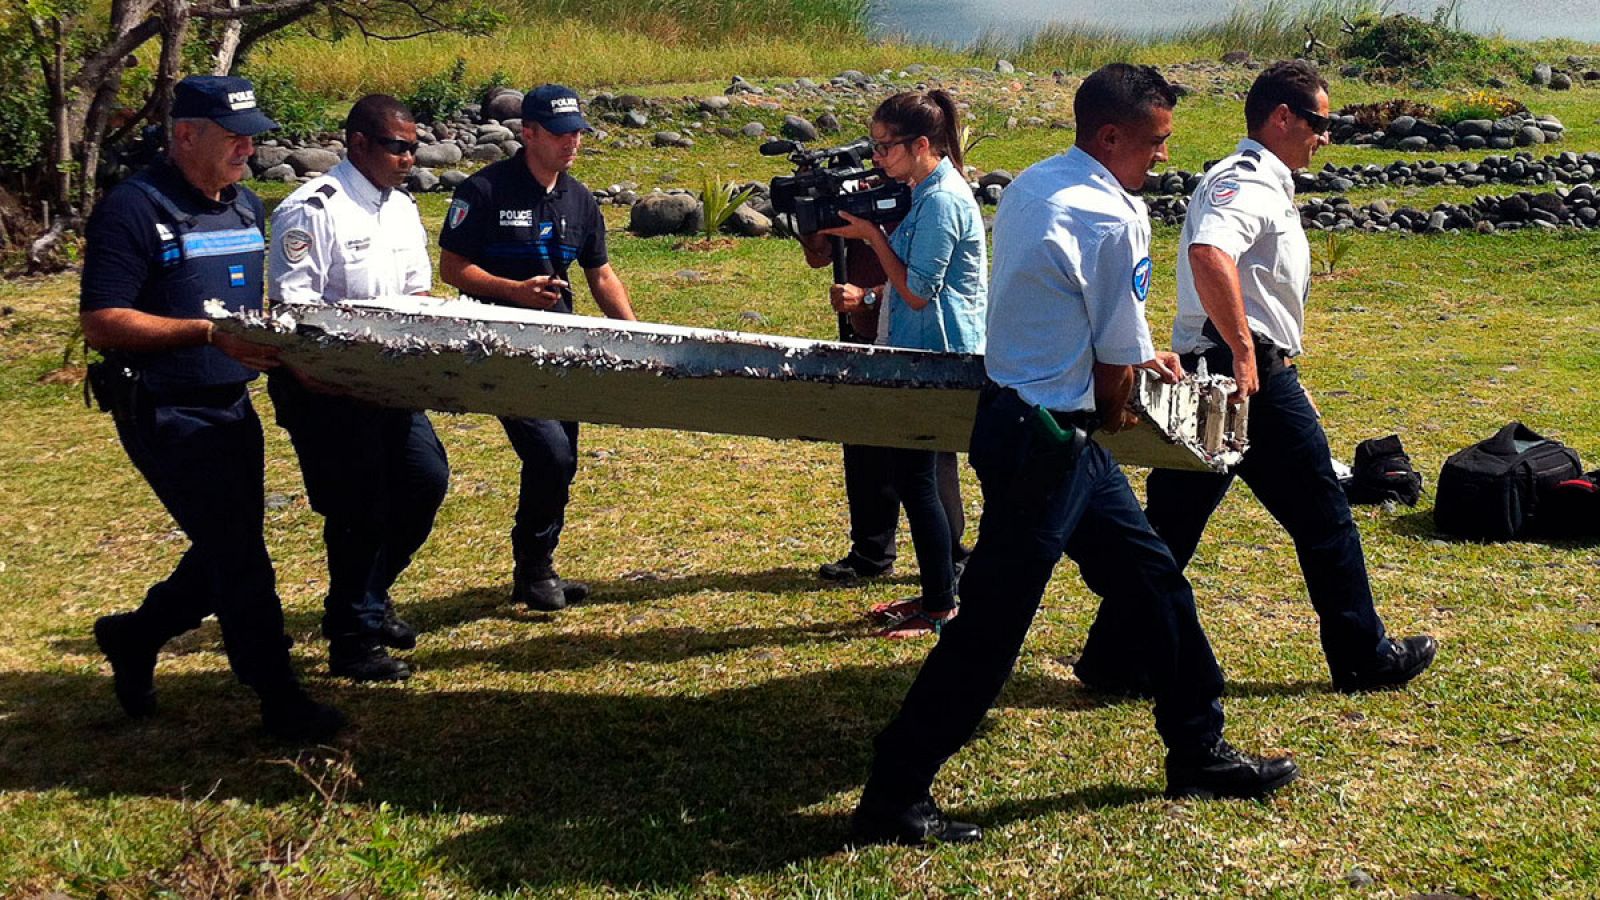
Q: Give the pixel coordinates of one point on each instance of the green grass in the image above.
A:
(703, 726)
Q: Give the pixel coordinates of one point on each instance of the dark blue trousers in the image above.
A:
(875, 507)
(916, 483)
(549, 453)
(1039, 503)
(377, 476)
(202, 455)
(1288, 468)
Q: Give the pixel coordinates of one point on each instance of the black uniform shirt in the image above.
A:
(505, 222)
(157, 245)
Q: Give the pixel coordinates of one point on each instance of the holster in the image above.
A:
(112, 385)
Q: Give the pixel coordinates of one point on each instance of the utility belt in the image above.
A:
(116, 387)
(1062, 437)
(1270, 358)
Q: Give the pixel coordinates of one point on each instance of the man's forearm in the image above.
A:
(140, 332)
(463, 275)
(610, 294)
(1216, 280)
(1112, 387)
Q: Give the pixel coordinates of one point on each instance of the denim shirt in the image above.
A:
(942, 244)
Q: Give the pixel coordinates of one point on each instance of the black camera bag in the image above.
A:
(1573, 508)
(1493, 489)
(1383, 472)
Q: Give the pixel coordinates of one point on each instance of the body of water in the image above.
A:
(958, 22)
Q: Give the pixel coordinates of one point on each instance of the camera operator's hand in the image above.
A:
(855, 227)
(846, 298)
(539, 292)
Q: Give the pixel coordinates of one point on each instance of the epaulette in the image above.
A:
(326, 190)
(1246, 165)
(1252, 153)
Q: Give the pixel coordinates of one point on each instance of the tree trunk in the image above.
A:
(228, 44)
(175, 30)
(125, 15)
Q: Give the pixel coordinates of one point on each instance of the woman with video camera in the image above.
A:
(935, 298)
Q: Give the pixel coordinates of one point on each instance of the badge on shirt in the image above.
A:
(1141, 279)
(457, 214)
(1223, 192)
(546, 230)
(236, 276)
(296, 244)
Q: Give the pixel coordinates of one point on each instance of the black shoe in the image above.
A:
(1122, 684)
(133, 662)
(290, 715)
(364, 659)
(920, 823)
(1222, 771)
(852, 568)
(1402, 661)
(396, 632)
(543, 594)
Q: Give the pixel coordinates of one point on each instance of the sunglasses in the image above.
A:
(1319, 123)
(395, 146)
(883, 147)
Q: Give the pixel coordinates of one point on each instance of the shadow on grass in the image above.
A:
(1420, 524)
(623, 790)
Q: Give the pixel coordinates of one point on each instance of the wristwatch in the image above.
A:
(870, 299)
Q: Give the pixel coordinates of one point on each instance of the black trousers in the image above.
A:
(549, 453)
(377, 476)
(1288, 468)
(1037, 504)
(202, 455)
(875, 506)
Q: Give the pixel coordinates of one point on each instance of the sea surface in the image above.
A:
(959, 22)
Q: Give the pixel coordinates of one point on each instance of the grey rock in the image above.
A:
(1541, 74)
(510, 148)
(995, 176)
(1401, 126)
(1470, 127)
(421, 180)
(502, 103)
(1340, 185)
(635, 118)
(991, 193)
(1413, 143)
(828, 123)
(746, 222)
(513, 125)
(796, 128)
(493, 134)
(633, 101)
(1004, 66)
(753, 129)
(269, 157)
(487, 153)
(1560, 81)
(440, 155)
(752, 316)
(279, 172)
(1359, 878)
(715, 103)
(1236, 57)
(277, 500)
(1530, 134)
(658, 214)
(1474, 142)
(854, 76)
(666, 139)
(312, 159)
(452, 178)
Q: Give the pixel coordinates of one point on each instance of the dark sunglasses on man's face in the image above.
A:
(1319, 123)
(394, 146)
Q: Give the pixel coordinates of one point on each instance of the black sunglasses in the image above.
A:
(395, 146)
(1319, 123)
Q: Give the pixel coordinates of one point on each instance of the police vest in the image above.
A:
(201, 256)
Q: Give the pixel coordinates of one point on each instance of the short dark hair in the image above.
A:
(1292, 82)
(1120, 94)
(372, 112)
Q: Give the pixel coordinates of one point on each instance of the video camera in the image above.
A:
(827, 182)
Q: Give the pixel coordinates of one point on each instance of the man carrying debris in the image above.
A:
(1066, 329)
(1244, 272)
(512, 232)
(376, 475)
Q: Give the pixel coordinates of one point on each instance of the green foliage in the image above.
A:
(1331, 250)
(719, 200)
(441, 95)
(1478, 105)
(298, 112)
(1434, 51)
(24, 105)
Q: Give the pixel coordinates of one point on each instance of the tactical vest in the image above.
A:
(201, 256)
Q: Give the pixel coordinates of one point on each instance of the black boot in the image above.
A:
(289, 714)
(362, 658)
(1399, 662)
(548, 594)
(921, 822)
(132, 653)
(1220, 770)
(396, 632)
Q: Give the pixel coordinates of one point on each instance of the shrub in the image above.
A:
(1373, 116)
(442, 95)
(298, 112)
(1478, 105)
(1435, 51)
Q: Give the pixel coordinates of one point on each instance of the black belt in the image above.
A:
(194, 395)
(1270, 358)
(1086, 419)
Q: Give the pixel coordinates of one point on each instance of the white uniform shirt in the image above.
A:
(1245, 207)
(338, 237)
(1071, 273)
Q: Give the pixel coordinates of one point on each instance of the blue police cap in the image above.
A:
(225, 100)
(555, 108)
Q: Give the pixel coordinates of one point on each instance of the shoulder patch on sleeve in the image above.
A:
(296, 244)
(1141, 279)
(1223, 191)
(457, 213)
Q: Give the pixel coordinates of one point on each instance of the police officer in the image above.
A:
(1244, 272)
(157, 247)
(510, 236)
(874, 507)
(1066, 329)
(376, 475)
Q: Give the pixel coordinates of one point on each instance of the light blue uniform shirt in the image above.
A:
(1071, 273)
(942, 244)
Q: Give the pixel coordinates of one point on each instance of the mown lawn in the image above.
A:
(703, 726)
